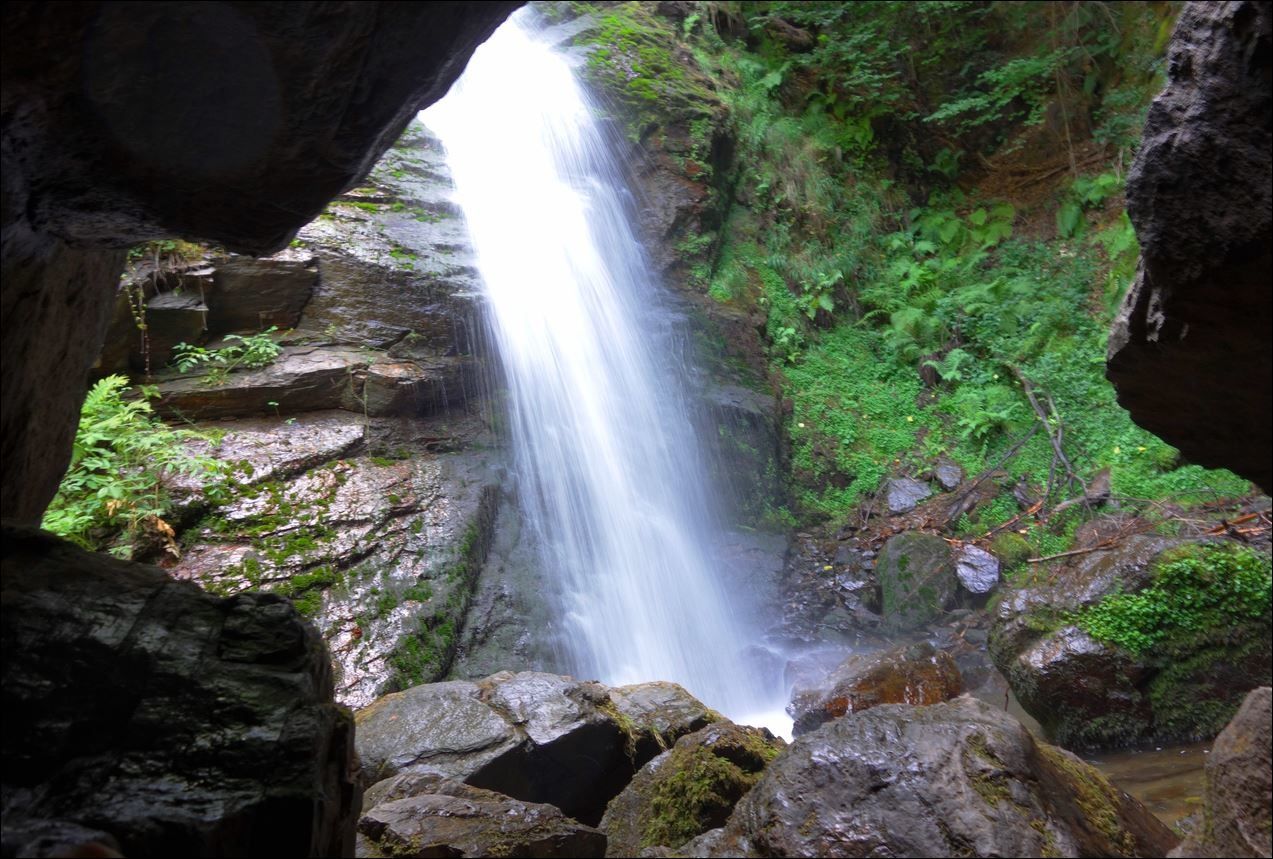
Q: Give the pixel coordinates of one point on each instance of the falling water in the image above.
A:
(610, 478)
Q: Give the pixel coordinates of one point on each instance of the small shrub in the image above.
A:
(114, 494)
(250, 352)
(1211, 587)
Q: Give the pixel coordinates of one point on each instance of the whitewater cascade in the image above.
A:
(610, 476)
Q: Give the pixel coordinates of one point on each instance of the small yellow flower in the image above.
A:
(800, 425)
(1141, 448)
(909, 419)
(1117, 449)
(828, 568)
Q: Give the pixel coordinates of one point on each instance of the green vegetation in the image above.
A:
(246, 352)
(699, 785)
(1194, 592)
(924, 205)
(166, 253)
(115, 495)
(424, 656)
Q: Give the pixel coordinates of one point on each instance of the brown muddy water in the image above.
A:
(1168, 780)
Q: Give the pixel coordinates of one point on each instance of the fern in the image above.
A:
(115, 494)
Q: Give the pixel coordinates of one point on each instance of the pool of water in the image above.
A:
(1168, 780)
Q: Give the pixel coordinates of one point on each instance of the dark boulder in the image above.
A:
(176, 722)
(917, 579)
(955, 779)
(1089, 692)
(532, 736)
(1190, 352)
(1238, 804)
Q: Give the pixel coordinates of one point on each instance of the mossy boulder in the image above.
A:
(961, 778)
(688, 789)
(917, 579)
(1150, 641)
(532, 736)
(913, 674)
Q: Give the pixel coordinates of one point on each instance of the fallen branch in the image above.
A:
(1225, 524)
(967, 493)
(1053, 438)
(1104, 544)
(1029, 511)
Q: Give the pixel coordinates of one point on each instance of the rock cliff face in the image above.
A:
(1190, 352)
(363, 485)
(230, 122)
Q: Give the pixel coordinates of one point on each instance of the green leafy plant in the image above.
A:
(248, 352)
(115, 495)
(1086, 192)
(1212, 587)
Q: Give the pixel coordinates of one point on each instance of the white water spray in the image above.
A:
(609, 471)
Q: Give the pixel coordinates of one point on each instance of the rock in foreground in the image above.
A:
(689, 789)
(536, 737)
(178, 723)
(955, 779)
(1239, 799)
(426, 815)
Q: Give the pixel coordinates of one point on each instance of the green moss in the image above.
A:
(1198, 689)
(635, 58)
(1193, 591)
(987, 773)
(420, 592)
(1097, 799)
(705, 784)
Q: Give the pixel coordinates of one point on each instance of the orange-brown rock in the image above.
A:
(916, 674)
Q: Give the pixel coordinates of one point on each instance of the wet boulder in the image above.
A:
(915, 674)
(917, 579)
(906, 492)
(426, 815)
(661, 712)
(177, 722)
(532, 736)
(688, 789)
(960, 778)
(1238, 804)
(1182, 682)
(977, 569)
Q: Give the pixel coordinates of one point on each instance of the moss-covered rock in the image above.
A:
(960, 778)
(1150, 641)
(917, 579)
(688, 789)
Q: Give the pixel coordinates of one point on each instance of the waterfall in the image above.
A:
(609, 472)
